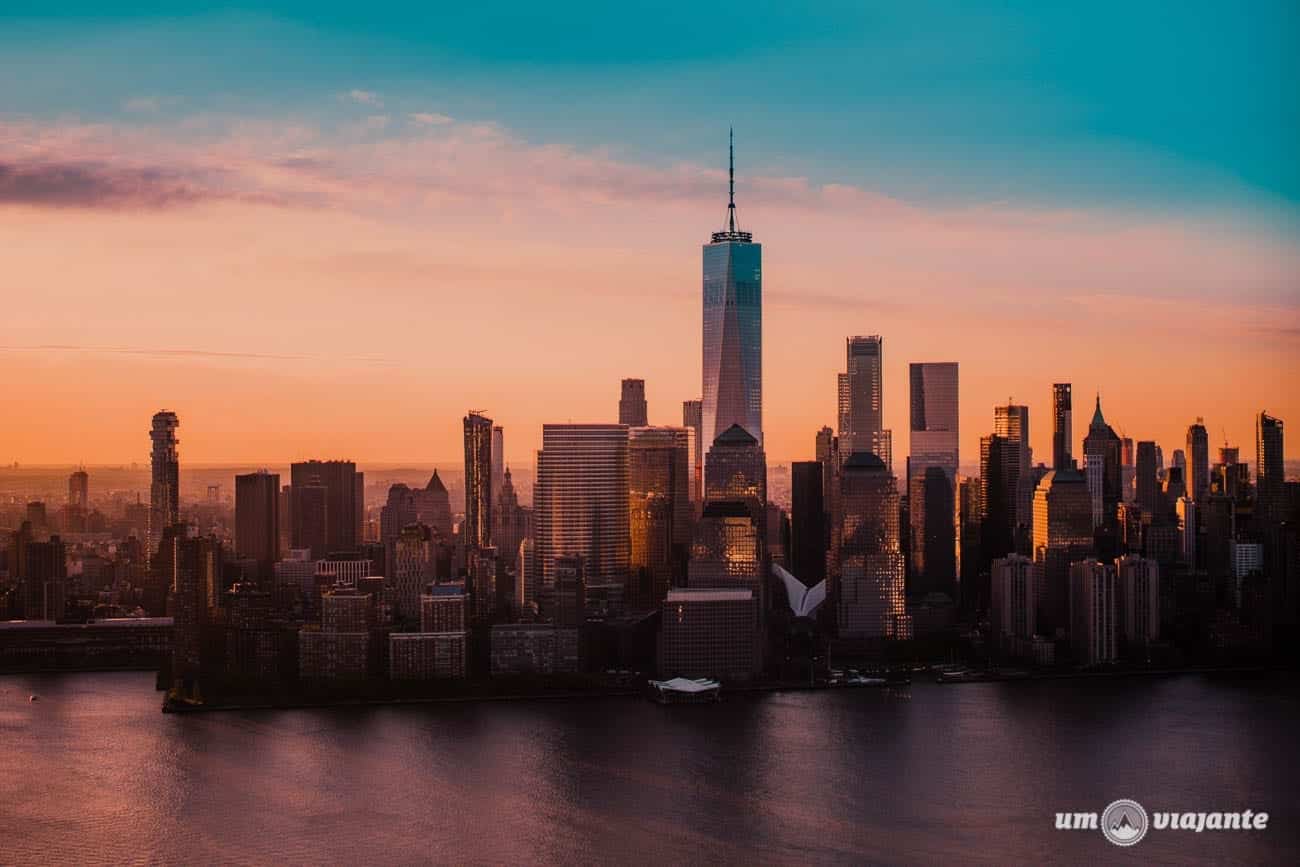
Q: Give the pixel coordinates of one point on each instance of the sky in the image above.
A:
(329, 229)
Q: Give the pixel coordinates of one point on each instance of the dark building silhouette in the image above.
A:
(476, 531)
(1198, 461)
(257, 521)
(164, 484)
(736, 470)
(335, 527)
(1270, 477)
(632, 410)
(808, 532)
(1062, 426)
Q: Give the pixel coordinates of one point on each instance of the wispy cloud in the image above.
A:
(94, 185)
(429, 118)
(364, 97)
(198, 354)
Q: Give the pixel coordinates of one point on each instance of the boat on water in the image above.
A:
(684, 690)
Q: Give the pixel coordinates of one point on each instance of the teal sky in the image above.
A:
(1158, 105)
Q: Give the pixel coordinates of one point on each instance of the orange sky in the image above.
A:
(292, 293)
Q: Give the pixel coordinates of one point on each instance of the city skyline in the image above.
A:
(191, 197)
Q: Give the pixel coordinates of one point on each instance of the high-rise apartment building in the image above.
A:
(1147, 483)
(476, 530)
(1015, 582)
(164, 485)
(580, 500)
(632, 409)
(1198, 461)
(498, 461)
(1062, 426)
(1270, 478)
(733, 330)
(79, 490)
(1092, 612)
(414, 569)
(257, 522)
(1138, 605)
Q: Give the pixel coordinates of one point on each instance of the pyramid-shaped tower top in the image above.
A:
(435, 484)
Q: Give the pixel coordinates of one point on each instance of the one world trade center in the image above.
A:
(733, 328)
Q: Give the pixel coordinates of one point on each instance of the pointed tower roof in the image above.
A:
(735, 436)
(1098, 420)
(435, 484)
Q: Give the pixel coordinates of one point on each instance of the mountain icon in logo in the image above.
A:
(1124, 822)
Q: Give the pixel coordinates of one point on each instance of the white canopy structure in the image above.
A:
(804, 600)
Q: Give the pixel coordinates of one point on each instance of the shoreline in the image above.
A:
(743, 690)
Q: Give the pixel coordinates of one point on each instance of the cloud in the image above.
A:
(364, 97)
(200, 354)
(429, 118)
(93, 185)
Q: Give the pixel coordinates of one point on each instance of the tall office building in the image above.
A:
(1011, 422)
(733, 329)
(197, 563)
(1062, 426)
(829, 456)
(164, 486)
(861, 399)
(1147, 483)
(808, 536)
(728, 550)
(476, 530)
(870, 588)
(932, 476)
(1270, 478)
(1062, 535)
(660, 511)
(736, 470)
(257, 522)
(1102, 467)
(1198, 461)
(433, 507)
(631, 404)
(414, 569)
(693, 420)
(512, 523)
(79, 490)
(580, 501)
(498, 461)
(335, 527)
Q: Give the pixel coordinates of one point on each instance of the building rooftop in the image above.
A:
(735, 436)
(705, 594)
(864, 461)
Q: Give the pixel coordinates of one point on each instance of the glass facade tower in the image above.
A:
(733, 331)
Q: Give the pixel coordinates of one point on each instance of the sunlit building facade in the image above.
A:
(659, 509)
(164, 485)
(932, 476)
(476, 530)
(580, 500)
(736, 470)
(870, 589)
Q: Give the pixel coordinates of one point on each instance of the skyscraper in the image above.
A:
(870, 587)
(476, 531)
(1198, 461)
(332, 527)
(631, 404)
(861, 400)
(808, 536)
(79, 490)
(1062, 535)
(1148, 486)
(733, 329)
(1092, 612)
(580, 501)
(498, 460)
(660, 510)
(736, 470)
(1062, 426)
(1270, 480)
(693, 419)
(932, 476)
(257, 521)
(1102, 467)
(164, 486)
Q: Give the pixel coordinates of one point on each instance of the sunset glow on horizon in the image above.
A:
(349, 275)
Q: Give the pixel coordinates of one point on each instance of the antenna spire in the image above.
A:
(731, 179)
